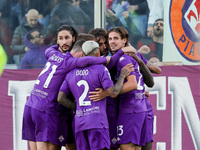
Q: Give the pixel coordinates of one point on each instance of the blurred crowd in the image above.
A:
(28, 27)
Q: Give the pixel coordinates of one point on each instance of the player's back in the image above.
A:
(81, 81)
(44, 94)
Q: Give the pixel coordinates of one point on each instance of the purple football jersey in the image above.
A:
(44, 94)
(132, 101)
(80, 82)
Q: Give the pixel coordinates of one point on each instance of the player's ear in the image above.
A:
(81, 54)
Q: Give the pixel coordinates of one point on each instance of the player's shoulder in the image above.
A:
(125, 58)
(142, 57)
(99, 67)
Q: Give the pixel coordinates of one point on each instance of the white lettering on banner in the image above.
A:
(161, 146)
(159, 89)
(19, 90)
(182, 99)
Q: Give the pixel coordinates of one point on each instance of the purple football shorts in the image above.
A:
(41, 126)
(112, 120)
(93, 139)
(130, 126)
(149, 128)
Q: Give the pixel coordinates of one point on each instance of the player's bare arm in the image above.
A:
(113, 91)
(147, 76)
(65, 101)
(153, 68)
(129, 49)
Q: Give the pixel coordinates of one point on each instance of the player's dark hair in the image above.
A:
(69, 28)
(29, 36)
(157, 20)
(78, 45)
(98, 33)
(85, 36)
(122, 32)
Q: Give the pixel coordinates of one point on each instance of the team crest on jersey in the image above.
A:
(185, 27)
(114, 140)
(121, 58)
(61, 138)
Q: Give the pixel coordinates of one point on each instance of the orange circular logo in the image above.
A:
(184, 19)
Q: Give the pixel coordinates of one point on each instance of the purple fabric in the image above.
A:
(40, 130)
(142, 57)
(114, 59)
(44, 94)
(132, 101)
(130, 126)
(112, 120)
(148, 134)
(80, 82)
(93, 139)
(35, 57)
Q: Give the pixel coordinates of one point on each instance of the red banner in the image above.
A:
(175, 99)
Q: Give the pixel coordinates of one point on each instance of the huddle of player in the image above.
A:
(86, 100)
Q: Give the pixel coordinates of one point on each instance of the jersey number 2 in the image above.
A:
(84, 94)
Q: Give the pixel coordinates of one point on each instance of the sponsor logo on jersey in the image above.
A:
(184, 19)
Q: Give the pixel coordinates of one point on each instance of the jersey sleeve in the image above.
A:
(142, 57)
(105, 78)
(50, 51)
(64, 87)
(123, 61)
(77, 62)
(114, 59)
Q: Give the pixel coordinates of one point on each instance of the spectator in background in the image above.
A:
(35, 57)
(156, 10)
(150, 31)
(130, 14)
(44, 8)
(139, 13)
(66, 13)
(84, 5)
(29, 23)
(155, 43)
(158, 28)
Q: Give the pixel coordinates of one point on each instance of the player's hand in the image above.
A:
(108, 60)
(144, 49)
(136, 58)
(125, 71)
(97, 95)
(129, 49)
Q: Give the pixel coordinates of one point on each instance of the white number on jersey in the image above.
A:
(48, 65)
(120, 130)
(139, 86)
(84, 94)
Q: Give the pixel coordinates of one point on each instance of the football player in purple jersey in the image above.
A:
(112, 103)
(46, 123)
(118, 38)
(132, 98)
(91, 124)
